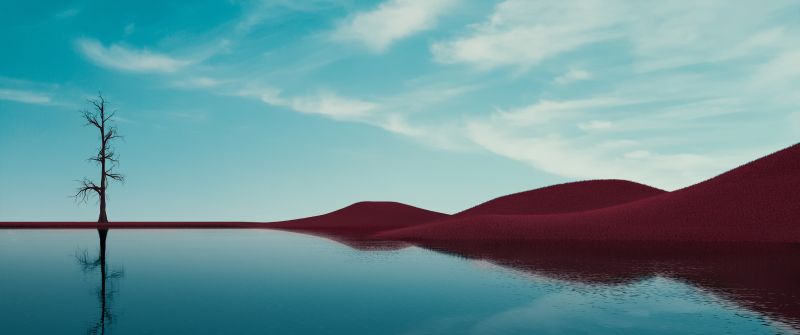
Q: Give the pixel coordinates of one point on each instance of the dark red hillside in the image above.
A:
(565, 198)
(759, 201)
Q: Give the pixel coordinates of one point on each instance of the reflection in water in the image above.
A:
(254, 282)
(763, 277)
(106, 291)
(760, 277)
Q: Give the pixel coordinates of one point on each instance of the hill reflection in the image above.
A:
(763, 277)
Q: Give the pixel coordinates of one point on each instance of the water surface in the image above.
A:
(271, 282)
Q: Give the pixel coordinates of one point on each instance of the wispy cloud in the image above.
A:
(258, 12)
(391, 21)
(123, 58)
(662, 35)
(526, 33)
(582, 158)
(67, 13)
(538, 135)
(324, 103)
(794, 122)
(783, 68)
(388, 113)
(571, 76)
(595, 125)
(24, 96)
(549, 111)
(197, 82)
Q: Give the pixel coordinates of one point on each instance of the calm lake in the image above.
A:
(254, 281)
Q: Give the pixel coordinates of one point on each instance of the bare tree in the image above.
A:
(101, 118)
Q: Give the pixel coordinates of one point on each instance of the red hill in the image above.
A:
(363, 216)
(565, 198)
(759, 201)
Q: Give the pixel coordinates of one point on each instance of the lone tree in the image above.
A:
(101, 118)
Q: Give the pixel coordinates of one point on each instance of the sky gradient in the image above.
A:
(267, 110)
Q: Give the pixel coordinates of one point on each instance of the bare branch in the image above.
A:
(87, 186)
(96, 103)
(91, 119)
(108, 155)
(116, 176)
(110, 134)
(110, 115)
(99, 103)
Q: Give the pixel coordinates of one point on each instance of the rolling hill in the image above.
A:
(363, 216)
(566, 198)
(756, 202)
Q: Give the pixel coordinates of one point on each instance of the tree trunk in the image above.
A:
(103, 218)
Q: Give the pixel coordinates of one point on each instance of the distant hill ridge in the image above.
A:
(565, 198)
(365, 215)
(758, 201)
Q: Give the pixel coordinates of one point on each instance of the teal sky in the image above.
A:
(266, 110)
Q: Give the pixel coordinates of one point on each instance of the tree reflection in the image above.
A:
(106, 290)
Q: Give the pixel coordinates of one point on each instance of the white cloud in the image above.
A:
(595, 125)
(547, 111)
(197, 82)
(673, 34)
(794, 122)
(323, 103)
(257, 12)
(660, 35)
(119, 57)
(638, 154)
(526, 47)
(526, 33)
(389, 114)
(643, 100)
(595, 159)
(784, 67)
(391, 21)
(68, 13)
(572, 76)
(541, 135)
(24, 96)
(446, 137)
(537, 135)
(398, 124)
